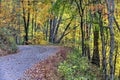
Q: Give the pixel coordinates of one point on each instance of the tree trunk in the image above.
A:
(51, 31)
(32, 32)
(26, 36)
(87, 37)
(81, 14)
(82, 32)
(95, 57)
(46, 32)
(110, 8)
(104, 62)
(26, 21)
(87, 44)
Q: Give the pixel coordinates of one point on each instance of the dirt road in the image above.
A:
(13, 66)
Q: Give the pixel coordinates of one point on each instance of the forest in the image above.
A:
(89, 28)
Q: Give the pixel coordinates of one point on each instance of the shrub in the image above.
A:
(7, 41)
(76, 67)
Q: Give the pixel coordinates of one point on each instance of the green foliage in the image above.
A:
(76, 67)
(7, 41)
(66, 70)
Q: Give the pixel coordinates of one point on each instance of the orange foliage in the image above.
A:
(97, 7)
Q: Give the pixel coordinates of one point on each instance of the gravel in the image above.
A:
(12, 67)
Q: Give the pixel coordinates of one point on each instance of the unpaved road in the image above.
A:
(12, 67)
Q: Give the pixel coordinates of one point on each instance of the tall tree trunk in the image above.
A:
(54, 27)
(26, 21)
(51, 31)
(35, 23)
(81, 14)
(32, 26)
(57, 26)
(110, 8)
(95, 57)
(18, 18)
(47, 29)
(87, 36)
(104, 62)
(82, 32)
(87, 44)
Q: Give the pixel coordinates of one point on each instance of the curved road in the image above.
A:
(12, 67)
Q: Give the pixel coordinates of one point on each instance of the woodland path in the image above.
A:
(13, 66)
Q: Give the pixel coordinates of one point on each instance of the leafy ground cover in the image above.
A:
(47, 69)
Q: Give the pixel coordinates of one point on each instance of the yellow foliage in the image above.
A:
(117, 66)
(38, 39)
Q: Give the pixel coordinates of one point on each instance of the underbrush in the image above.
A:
(76, 67)
(7, 42)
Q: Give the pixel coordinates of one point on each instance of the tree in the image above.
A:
(59, 8)
(81, 8)
(18, 38)
(95, 22)
(104, 62)
(26, 18)
(110, 8)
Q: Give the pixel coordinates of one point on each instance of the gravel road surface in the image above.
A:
(13, 66)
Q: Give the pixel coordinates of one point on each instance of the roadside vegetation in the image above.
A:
(7, 42)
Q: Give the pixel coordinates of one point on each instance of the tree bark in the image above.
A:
(110, 8)
(51, 31)
(95, 57)
(104, 62)
(81, 14)
(26, 21)
(87, 44)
